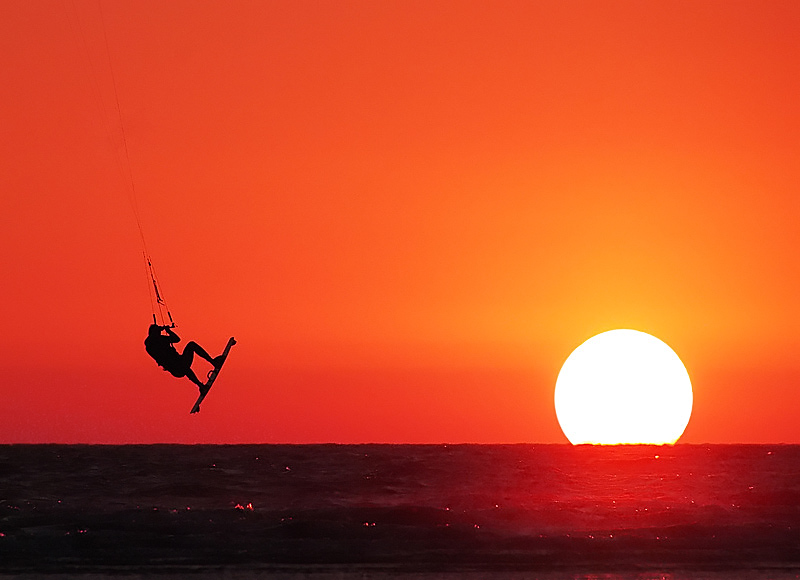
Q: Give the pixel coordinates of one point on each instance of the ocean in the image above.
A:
(544, 512)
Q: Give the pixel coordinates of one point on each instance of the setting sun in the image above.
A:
(623, 386)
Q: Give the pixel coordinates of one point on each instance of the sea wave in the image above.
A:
(406, 507)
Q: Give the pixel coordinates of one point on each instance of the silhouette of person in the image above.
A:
(160, 347)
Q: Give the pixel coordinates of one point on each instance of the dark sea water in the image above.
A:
(383, 511)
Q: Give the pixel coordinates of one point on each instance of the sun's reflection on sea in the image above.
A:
(685, 575)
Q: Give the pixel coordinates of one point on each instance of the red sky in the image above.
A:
(408, 213)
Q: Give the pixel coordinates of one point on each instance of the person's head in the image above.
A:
(154, 330)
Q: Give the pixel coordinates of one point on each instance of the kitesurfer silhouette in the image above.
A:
(160, 347)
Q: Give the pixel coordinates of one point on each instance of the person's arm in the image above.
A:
(171, 334)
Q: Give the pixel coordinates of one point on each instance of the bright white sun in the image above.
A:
(623, 386)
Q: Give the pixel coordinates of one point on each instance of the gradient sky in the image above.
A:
(408, 213)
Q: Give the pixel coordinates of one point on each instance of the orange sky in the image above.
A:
(408, 213)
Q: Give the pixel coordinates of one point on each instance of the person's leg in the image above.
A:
(193, 348)
(177, 370)
(183, 368)
(193, 377)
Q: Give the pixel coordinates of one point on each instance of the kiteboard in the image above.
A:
(212, 376)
